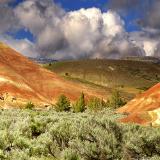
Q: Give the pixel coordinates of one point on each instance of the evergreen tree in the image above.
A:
(63, 104)
(116, 100)
(79, 106)
(96, 104)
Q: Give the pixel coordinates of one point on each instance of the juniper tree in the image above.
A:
(63, 104)
(79, 106)
(96, 104)
(116, 100)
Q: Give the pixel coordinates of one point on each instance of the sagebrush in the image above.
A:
(50, 135)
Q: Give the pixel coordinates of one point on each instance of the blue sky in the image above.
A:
(77, 4)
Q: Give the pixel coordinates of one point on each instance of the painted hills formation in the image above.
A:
(145, 108)
(22, 80)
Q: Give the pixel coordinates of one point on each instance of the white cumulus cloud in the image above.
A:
(75, 34)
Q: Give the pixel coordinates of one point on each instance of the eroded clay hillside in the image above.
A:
(22, 80)
(145, 108)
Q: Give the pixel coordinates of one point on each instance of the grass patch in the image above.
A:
(79, 80)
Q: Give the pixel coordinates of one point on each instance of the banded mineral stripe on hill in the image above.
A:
(144, 108)
(27, 81)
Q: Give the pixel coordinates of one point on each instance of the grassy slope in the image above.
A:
(129, 76)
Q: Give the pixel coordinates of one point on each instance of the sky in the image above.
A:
(74, 29)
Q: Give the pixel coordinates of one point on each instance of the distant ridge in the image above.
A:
(143, 59)
(42, 60)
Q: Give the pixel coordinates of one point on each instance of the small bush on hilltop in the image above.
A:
(79, 106)
(63, 104)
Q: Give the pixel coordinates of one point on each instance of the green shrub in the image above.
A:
(63, 104)
(115, 100)
(79, 106)
(141, 141)
(96, 104)
(70, 155)
(29, 105)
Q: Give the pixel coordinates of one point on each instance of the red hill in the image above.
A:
(22, 80)
(142, 108)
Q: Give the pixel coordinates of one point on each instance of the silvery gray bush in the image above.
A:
(50, 135)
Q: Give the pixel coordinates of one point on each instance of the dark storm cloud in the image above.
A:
(123, 4)
(5, 1)
(152, 16)
(8, 21)
(148, 10)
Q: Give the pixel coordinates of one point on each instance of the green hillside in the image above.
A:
(131, 77)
